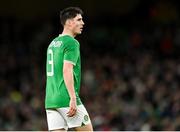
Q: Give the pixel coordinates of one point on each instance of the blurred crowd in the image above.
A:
(22, 80)
(130, 76)
(137, 92)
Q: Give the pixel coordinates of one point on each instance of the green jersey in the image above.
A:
(62, 48)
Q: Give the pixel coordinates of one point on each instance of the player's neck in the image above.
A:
(68, 32)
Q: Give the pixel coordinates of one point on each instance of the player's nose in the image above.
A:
(83, 23)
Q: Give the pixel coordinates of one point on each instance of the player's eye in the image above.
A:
(79, 19)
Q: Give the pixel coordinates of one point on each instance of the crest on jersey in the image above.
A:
(86, 118)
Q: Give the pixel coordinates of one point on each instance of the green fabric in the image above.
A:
(62, 48)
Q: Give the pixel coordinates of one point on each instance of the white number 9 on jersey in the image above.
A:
(50, 63)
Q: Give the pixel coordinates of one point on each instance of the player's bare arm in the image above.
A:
(69, 82)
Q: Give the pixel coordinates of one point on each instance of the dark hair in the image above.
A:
(69, 13)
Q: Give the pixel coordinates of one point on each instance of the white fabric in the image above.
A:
(58, 119)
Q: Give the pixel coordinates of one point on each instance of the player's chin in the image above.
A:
(79, 32)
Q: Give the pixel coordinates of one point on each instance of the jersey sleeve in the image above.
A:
(71, 52)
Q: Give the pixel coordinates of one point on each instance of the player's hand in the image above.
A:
(73, 107)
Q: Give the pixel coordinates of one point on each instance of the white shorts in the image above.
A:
(58, 119)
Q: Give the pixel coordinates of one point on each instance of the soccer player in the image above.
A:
(63, 105)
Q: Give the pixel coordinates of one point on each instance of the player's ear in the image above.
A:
(69, 22)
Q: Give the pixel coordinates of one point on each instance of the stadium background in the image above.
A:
(130, 60)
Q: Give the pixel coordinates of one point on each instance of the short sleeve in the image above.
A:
(71, 53)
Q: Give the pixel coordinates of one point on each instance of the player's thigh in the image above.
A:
(55, 120)
(85, 128)
(59, 130)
